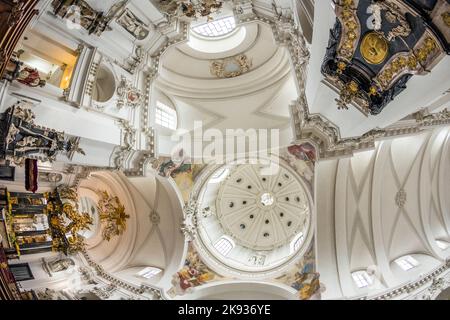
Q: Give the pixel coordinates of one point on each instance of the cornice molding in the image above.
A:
(154, 292)
(435, 284)
(325, 135)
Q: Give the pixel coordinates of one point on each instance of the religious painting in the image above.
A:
(193, 274)
(302, 158)
(304, 277)
(181, 171)
(15, 70)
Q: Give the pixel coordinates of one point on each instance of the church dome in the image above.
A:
(253, 220)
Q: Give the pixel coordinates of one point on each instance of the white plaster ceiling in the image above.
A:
(370, 227)
(259, 98)
(261, 212)
(151, 238)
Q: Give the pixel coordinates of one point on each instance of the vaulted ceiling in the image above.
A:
(384, 204)
(259, 98)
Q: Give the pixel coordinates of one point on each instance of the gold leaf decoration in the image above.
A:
(112, 214)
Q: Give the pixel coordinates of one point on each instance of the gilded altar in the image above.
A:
(66, 221)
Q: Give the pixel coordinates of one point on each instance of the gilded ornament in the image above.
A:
(412, 62)
(374, 48)
(430, 44)
(66, 222)
(341, 67)
(351, 35)
(353, 87)
(351, 24)
(112, 213)
(395, 66)
(348, 3)
(231, 67)
(347, 14)
(373, 91)
(446, 18)
(348, 44)
(348, 92)
(409, 62)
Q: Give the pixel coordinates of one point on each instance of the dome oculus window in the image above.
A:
(216, 28)
(165, 116)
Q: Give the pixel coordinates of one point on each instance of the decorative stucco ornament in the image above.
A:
(231, 67)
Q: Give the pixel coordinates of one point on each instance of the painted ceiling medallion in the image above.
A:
(231, 67)
(374, 48)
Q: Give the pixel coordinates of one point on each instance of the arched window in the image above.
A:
(297, 242)
(443, 245)
(407, 262)
(224, 246)
(219, 175)
(165, 116)
(362, 278)
(149, 272)
(216, 28)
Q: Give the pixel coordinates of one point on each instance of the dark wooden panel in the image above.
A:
(14, 19)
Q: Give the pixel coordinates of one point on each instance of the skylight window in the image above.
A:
(165, 116)
(216, 28)
(407, 262)
(224, 246)
(362, 279)
(149, 272)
